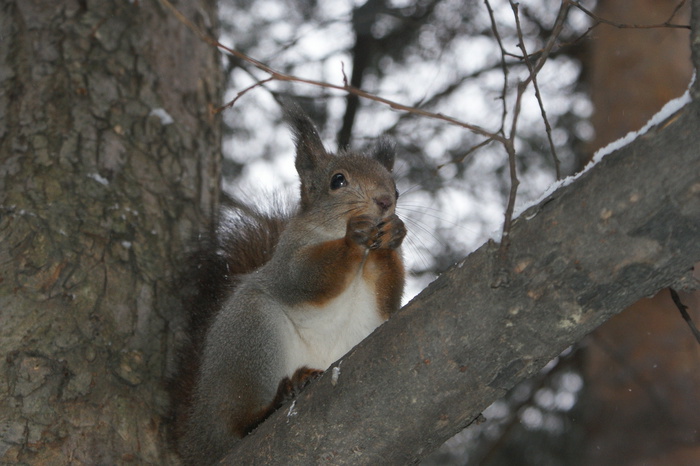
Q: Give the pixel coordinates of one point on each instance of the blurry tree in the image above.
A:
(641, 405)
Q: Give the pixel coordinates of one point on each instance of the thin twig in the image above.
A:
(509, 143)
(504, 66)
(510, 207)
(599, 20)
(345, 76)
(241, 94)
(533, 74)
(466, 154)
(279, 76)
(684, 312)
(448, 91)
(543, 55)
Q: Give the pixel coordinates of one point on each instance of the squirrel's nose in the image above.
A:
(384, 202)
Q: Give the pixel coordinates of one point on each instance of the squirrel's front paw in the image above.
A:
(365, 231)
(392, 231)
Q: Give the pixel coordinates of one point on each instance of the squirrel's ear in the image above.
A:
(310, 151)
(311, 155)
(385, 152)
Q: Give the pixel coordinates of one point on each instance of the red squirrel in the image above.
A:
(291, 295)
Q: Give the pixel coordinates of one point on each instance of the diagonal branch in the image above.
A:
(461, 344)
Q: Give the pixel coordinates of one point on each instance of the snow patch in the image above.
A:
(163, 115)
(666, 112)
(335, 375)
(292, 410)
(97, 177)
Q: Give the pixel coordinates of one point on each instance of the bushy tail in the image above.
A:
(242, 240)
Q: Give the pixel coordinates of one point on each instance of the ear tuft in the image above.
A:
(310, 150)
(385, 152)
(311, 157)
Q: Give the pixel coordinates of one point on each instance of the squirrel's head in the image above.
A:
(347, 183)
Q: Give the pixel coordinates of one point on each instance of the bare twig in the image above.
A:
(467, 153)
(241, 94)
(509, 145)
(501, 277)
(543, 55)
(504, 66)
(559, 24)
(508, 141)
(279, 76)
(684, 312)
(599, 20)
(345, 77)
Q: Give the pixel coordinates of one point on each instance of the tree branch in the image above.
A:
(279, 76)
(666, 24)
(559, 25)
(683, 309)
(623, 230)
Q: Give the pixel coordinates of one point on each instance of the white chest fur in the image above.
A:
(320, 335)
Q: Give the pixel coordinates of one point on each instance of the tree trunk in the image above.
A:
(641, 368)
(109, 157)
(634, 72)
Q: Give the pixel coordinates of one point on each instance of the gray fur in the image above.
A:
(267, 329)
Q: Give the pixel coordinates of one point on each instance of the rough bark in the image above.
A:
(625, 229)
(98, 195)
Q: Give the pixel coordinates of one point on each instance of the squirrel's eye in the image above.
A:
(396, 193)
(338, 181)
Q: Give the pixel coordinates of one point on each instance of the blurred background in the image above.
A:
(626, 395)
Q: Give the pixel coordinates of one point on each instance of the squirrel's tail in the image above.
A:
(242, 239)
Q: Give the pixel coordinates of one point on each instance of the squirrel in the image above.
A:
(280, 297)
